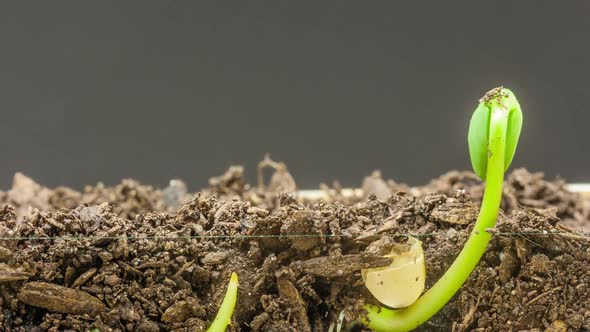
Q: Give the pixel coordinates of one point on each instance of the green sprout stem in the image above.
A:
(406, 319)
(226, 310)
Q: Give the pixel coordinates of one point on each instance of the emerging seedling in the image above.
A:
(493, 135)
(226, 310)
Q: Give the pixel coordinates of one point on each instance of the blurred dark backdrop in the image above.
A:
(100, 90)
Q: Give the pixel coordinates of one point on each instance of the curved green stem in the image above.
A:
(383, 319)
(226, 310)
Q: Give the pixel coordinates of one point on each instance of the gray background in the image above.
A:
(101, 90)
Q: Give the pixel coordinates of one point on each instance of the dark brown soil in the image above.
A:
(135, 258)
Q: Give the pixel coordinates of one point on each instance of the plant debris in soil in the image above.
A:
(135, 258)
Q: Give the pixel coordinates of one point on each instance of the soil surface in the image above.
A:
(137, 258)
